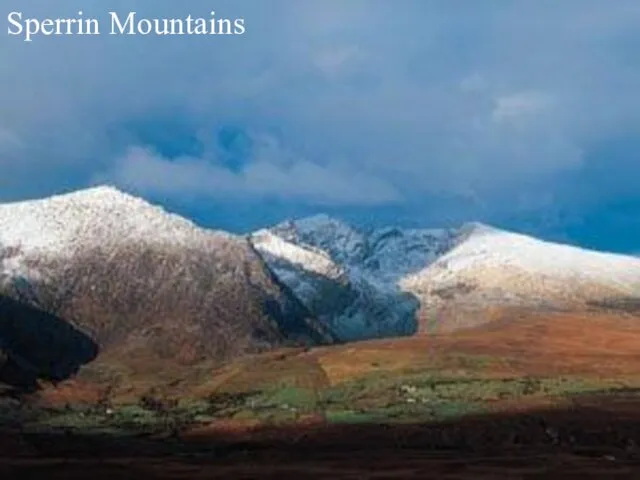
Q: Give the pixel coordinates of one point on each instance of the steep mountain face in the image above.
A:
(140, 280)
(351, 279)
(393, 282)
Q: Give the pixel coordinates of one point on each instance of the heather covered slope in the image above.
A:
(510, 396)
(540, 360)
(142, 281)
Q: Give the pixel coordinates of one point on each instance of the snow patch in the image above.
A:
(62, 226)
(308, 259)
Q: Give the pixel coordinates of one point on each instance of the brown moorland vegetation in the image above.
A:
(558, 395)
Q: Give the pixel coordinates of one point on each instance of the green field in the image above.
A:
(379, 397)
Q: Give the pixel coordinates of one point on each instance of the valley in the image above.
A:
(133, 336)
(542, 394)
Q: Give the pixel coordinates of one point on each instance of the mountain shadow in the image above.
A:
(38, 345)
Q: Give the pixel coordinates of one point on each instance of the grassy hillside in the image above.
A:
(519, 365)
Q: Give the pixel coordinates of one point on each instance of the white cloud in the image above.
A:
(520, 104)
(143, 170)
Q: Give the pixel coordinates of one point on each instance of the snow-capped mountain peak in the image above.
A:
(318, 222)
(131, 274)
(99, 216)
(360, 283)
(363, 268)
(470, 229)
(398, 277)
(335, 237)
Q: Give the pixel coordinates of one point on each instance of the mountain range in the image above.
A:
(138, 280)
(392, 281)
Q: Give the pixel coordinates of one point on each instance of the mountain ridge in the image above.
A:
(97, 252)
(140, 280)
(472, 267)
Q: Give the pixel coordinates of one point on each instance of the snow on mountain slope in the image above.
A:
(350, 279)
(311, 259)
(63, 223)
(495, 267)
(133, 276)
(495, 248)
(394, 281)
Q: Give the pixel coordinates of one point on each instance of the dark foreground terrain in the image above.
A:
(598, 437)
